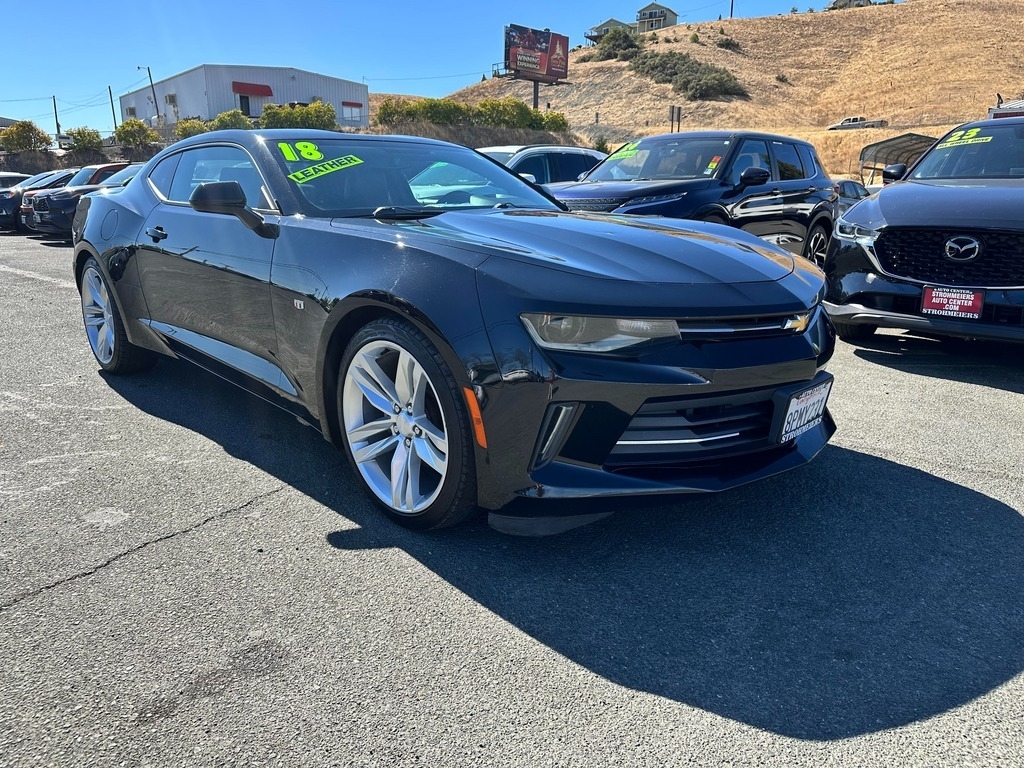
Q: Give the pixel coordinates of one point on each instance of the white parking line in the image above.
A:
(37, 276)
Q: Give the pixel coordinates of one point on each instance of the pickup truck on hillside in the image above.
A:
(857, 122)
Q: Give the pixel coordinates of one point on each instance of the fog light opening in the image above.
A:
(555, 429)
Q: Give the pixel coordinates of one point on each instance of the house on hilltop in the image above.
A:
(595, 33)
(648, 19)
(654, 16)
(835, 5)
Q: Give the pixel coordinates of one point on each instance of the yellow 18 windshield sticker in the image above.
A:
(627, 150)
(963, 138)
(320, 169)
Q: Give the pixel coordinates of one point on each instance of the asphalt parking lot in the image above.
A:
(191, 577)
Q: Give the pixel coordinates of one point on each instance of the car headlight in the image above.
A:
(577, 333)
(656, 199)
(846, 230)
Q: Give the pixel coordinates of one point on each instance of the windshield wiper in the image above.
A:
(398, 212)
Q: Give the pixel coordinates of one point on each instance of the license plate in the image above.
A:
(961, 303)
(804, 411)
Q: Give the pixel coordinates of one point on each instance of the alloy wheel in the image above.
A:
(98, 316)
(395, 427)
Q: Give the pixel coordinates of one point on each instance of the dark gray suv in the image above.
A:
(771, 186)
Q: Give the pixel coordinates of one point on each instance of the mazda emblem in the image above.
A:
(962, 248)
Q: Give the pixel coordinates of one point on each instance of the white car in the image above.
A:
(546, 163)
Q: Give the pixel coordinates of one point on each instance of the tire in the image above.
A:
(854, 331)
(817, 246)
(104, 327)
(714, 219)
(405, 426)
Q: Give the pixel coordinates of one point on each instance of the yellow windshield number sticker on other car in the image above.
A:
(320, 169)
(963, 138)
(627, 150)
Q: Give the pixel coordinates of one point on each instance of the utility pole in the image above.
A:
(112, 111)
(730, 8)
(56, 119)
(153, 89)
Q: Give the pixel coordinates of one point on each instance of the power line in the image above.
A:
(437, 77)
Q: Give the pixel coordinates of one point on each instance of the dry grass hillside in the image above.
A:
(923, 65)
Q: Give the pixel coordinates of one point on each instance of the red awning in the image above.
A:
(251, 89)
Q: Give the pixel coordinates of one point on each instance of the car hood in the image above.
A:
(576, 190)
(616, 247)
(996, 203)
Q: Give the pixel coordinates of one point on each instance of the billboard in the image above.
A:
(536, 54)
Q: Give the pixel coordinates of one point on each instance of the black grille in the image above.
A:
(40, 204)
(680, 431)
(919, 254)
(603, 204)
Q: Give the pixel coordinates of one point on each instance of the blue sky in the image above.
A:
(394, 46)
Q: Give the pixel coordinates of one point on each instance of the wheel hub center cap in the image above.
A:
(405, 424)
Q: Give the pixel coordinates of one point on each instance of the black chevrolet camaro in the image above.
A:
(465, 339)
(940, 250)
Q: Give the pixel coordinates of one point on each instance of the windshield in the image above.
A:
(45, 180)
(663, 157)
(122, 176)
(82, 177)
(501, 157)
(339, 177)
(986, 152)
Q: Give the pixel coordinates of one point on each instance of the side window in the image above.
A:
(811, 162)
(537, 166)
(788, 161)
(216, 164)
(105, 174)
(160, 177)
(572, 164)
(753, 153)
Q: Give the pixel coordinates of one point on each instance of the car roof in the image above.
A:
(725, 135)
(515, 148)
(251, 137)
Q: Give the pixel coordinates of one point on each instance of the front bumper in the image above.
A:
(697, 420)
(9, 218)
(54, 221)
(868, 298)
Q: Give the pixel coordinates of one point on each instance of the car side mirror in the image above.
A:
(894, 172)
(529, 177)
(228, 197)
(754, 177)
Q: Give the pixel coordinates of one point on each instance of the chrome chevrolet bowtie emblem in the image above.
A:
(962, 248)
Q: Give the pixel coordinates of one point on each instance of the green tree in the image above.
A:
(86, 139)
(317, 115)
(233, 118)
(25, 135)
(555, 122)
(135, 134)
(392, 111)
(615, 42)
(190, 127)
(601, 145)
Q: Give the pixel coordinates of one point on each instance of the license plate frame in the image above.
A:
(956, 303)
(802, 410)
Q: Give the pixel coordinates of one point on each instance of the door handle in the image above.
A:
(157, 233)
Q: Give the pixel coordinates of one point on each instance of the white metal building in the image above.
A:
(209, 89)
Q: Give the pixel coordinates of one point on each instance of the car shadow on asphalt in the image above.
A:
(972, 361)
(819, 605)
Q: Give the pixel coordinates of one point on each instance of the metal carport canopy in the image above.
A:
(905, 148)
